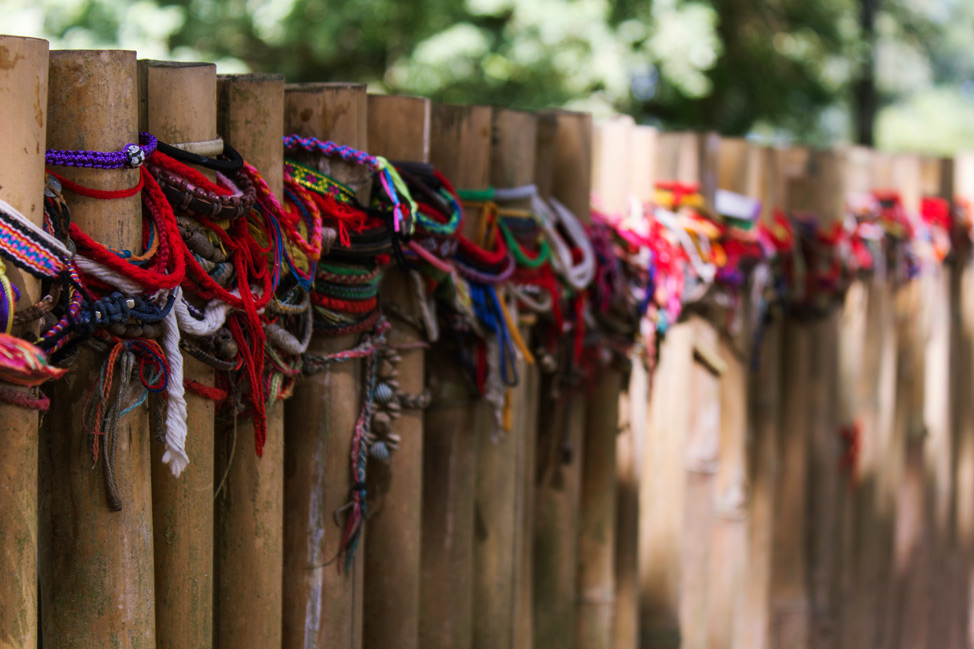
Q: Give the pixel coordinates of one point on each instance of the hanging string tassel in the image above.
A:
(175, 453)
(360, 453)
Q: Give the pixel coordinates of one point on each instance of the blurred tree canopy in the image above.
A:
(784, 70)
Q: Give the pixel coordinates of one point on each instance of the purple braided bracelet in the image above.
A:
(131, 157)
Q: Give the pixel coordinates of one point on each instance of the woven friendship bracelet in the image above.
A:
(392, 184)
(28, 246)
(130, 157)
(317, 182)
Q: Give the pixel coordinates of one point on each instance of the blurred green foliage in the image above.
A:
(782, 70)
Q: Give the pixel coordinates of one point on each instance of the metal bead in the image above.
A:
(384, 394)
(380, 451)
(135, 155)
(226, 348)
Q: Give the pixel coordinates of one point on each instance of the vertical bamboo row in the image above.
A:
(631, 440)
(97, 577)
(879, 436)
(825, 482)
(932, 572)
(399, 129)
(177, 103)
(765, 410)
(323, 597)
(500, 454)
(911, 538)
(740, 172)
(663, 494)
(789, 580)
(749, 410)
(249, 512)
(23, 102)
(857, 369)
(460, 149)
(961, 533)
(595, 608)
(533, 414)
(687, 163)
(560, 427)
(937, 182)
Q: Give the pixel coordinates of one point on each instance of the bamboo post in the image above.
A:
(738, 170)
(687, 162)
(874, 503)
(961, 538)
(666, 602)
(880, 441)
(595, 607)
(399, 129)
(744, 481)
(911, 531)
(177, 103)
(825, 480)
(460, 149)
(789, 581)
(501, 454)
(937, 182)
(97, 578)
(663, 493)
(630, 442)
(323, 599)
(249, 512)
(532, 416)
(857, 366)
(765, 410)
(560, 425)
(23, 101)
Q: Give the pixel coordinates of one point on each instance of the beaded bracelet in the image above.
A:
(130, 157)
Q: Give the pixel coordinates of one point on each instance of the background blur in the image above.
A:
(897, 73)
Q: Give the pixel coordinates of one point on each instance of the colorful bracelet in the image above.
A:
(29, 247)
(130, 157)
(393, 186)
(232, 163)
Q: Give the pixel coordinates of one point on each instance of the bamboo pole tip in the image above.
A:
(507, 110)
(19, 42)
(321, 86)
(178, 65)
(380, 97)
(118, 57)
(251, 77)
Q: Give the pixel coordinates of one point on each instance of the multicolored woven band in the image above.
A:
(28, 246)
(317, 181)
(392, 184)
